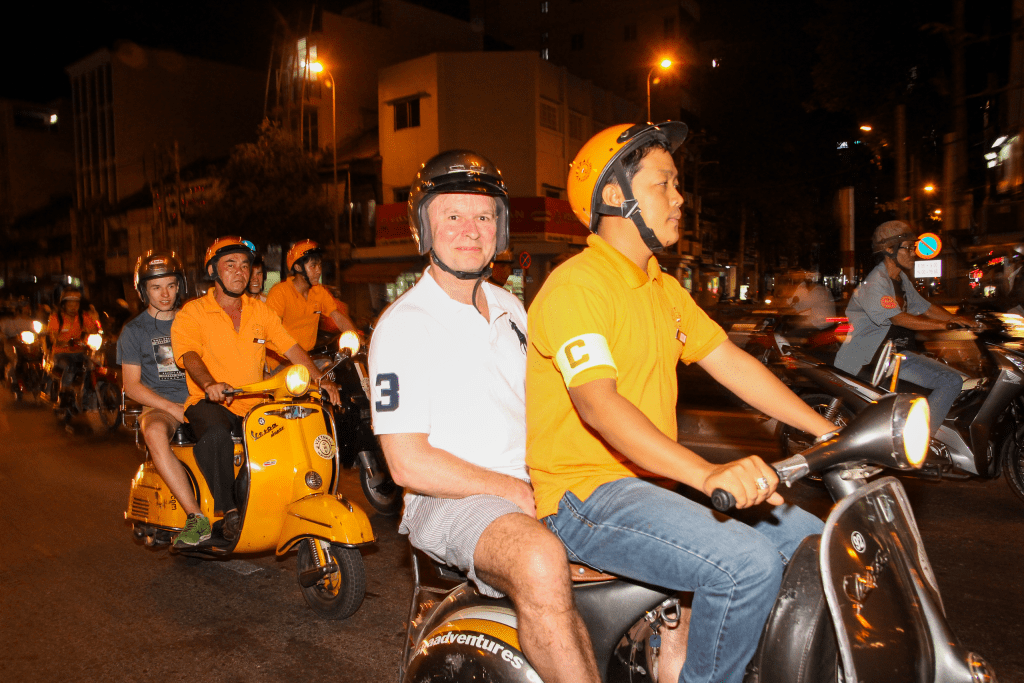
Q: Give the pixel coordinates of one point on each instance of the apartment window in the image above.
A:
(544, 7)
(549, 116)
(670, 27)
(545, 54)
(401, 194)
(629, 32)
(576, 41)
(575, 126)
(407, 113)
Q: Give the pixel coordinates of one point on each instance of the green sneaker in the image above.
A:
(197, 530)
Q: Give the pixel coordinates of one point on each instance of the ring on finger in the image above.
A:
(762, 483)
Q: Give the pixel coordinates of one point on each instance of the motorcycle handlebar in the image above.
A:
(788, 471)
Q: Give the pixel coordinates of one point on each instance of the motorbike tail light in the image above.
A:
(94, 341)
(296, 380)
(350, 341)
(916, 432)
(37, 326)
(28, 337)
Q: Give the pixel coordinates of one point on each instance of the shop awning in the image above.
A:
(381, 272)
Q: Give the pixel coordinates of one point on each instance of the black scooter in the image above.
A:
(357, 444)
(983, 434)
(858, 603)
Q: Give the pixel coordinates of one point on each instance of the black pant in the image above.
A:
(212, 424)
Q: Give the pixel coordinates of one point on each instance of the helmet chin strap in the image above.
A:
(630, 208)
(479, 275)
(483, 273)
(227, 291)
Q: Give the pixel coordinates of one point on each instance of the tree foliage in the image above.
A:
(268, 192)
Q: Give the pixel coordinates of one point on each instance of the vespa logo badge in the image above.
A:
(857, 539)
(324, 446)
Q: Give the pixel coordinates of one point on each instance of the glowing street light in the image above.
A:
(929, 188)
(664, 64)
(866, 128)
(317, 67)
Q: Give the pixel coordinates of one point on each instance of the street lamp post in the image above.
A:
(664, 64)
(318, 67)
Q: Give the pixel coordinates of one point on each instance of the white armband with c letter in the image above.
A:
(582, 353)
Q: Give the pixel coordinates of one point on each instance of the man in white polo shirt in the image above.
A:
(448, 375)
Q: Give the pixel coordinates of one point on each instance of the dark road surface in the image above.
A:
(80, 600)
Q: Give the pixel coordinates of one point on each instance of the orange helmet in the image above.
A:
(600, 160)
(222, 246)
(300, 251)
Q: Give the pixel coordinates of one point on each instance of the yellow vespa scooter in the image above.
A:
(286, 481)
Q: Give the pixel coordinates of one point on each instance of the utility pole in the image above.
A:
(901, 162)
(740, 262)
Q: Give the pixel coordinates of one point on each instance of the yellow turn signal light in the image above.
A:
(296, 380)
(916, 432)
(349, 340)
(94, 342)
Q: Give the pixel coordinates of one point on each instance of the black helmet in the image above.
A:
(154, 264)
(457, 171)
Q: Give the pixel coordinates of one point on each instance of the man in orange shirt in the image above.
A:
(66, 328)
(220, 340)
(607, 331)
(301, 299)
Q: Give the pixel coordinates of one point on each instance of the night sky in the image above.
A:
(39, 39)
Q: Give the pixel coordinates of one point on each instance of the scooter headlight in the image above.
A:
(37, 326)
(94, 341)
(916, 432)
(28, 337)
(296, 380)
(350, 341)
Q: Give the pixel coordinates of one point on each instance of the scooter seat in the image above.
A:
(581, 573)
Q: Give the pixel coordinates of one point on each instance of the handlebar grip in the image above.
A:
(722, 500)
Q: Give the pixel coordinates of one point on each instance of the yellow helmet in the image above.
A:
(601, 158)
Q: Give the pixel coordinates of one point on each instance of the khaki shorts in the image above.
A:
(150, 414)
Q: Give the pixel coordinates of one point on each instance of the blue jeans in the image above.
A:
(944, 381)
(640, 531)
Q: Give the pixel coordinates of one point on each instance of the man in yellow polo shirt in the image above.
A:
(301, 299)
(220, 339)
(606, 331)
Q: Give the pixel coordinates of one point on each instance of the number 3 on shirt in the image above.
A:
(388, 393)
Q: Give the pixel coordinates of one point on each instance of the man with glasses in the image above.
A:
(886, 306)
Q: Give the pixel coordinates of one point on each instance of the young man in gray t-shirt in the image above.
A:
(153, 379)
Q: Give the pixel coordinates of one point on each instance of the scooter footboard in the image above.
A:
(327, 517)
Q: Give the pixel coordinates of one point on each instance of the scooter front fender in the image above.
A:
(327, 517)
(883, 595)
